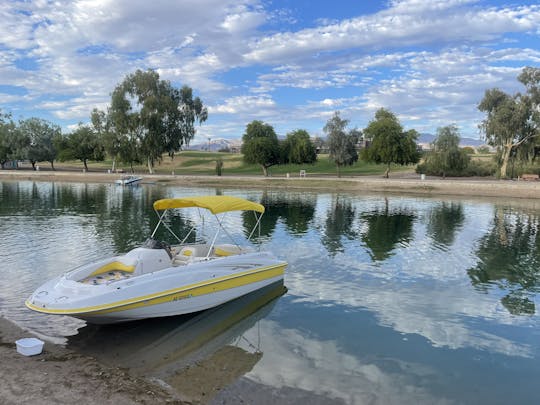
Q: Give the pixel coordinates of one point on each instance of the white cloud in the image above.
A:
(428, 61)
(250, 105)
(245, 21)
(406, 23)
(323, 368)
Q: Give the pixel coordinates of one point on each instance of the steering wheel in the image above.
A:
(167, 247)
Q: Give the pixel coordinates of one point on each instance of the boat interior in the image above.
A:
(155, 255)
(122, 267)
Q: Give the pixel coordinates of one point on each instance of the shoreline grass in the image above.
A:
(204, 163)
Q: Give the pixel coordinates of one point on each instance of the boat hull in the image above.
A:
(176, 307)
(168, 292)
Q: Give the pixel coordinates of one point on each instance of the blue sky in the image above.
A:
(289, 63)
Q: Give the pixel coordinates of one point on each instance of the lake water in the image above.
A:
(389, 299)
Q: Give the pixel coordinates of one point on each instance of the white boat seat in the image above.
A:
(229, 250)
(186, 255)
(118, 269)
(124, 264)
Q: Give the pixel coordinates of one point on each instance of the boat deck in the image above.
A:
(111, 276)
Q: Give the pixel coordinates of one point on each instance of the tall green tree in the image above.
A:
(512, 121)
(7, 130)
(260, 145)
(298, 148)
(319, 144)
(154, 116)
(83, 144)
(341, 144)
(111, 140)
(389, 143)
(38, 137)
(446, 156)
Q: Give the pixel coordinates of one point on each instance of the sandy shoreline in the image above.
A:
(409, 184)
(61, 376)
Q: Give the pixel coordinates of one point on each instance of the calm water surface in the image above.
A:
(389, 299)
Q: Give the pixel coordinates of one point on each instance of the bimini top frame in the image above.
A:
(216, 204)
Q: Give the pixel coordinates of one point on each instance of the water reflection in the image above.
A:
(390, 298)
(165, 346)
(509, 258)
(445, 220)
(386, 228)
(295, 210)
(339, 224)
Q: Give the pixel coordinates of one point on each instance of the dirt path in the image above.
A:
(409, 184)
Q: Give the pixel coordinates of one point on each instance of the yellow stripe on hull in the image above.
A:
(178, 294)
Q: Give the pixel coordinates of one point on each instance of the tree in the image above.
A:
(7, 129)
(38, 136)
(389, 143)
(513, 121)
(446, 156)
(319, 144)
(83, 144)
(111, 140)
(154, 116)
(298, 148)
(341, 145)
(483, 149)
(260, 145)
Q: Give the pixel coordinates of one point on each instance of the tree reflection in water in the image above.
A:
(509, 257)
(294, 209)
(385, 229)
(339, 223)
(444, 221)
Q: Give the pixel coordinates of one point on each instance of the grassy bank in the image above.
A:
(204, 163)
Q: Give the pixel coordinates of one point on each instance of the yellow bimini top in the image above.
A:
(216, 204)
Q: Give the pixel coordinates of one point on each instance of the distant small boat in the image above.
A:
(129, 180)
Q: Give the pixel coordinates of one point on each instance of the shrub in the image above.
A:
(484, 149)
(474, 168)
(219, 166)
(518, 169)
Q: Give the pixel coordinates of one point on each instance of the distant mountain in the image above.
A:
(426, 139)
(215, 145)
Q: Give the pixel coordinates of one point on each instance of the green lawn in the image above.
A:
(195, 162)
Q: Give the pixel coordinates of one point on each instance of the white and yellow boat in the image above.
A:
(157, 279)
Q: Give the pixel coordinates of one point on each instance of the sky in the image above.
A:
(289, 63)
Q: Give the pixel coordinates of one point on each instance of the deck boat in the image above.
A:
(158, 279)
(129, 180)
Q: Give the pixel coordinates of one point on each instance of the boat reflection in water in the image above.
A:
(163, 348)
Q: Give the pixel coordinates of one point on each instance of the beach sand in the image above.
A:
(61, 376)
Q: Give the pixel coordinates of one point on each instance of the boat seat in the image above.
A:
(186, 255)
(124, 264)
(103, 278)
(229, 250)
